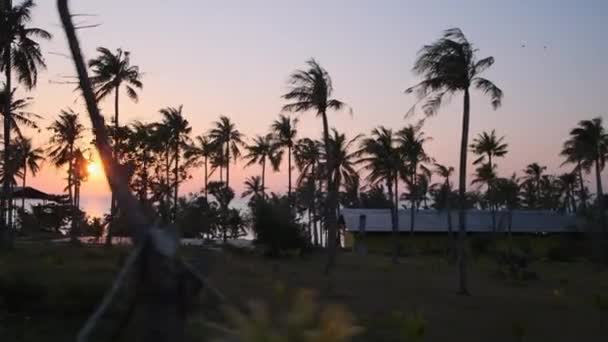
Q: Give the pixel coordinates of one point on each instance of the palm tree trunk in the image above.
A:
(414, 198)
(113, 204)
(448, 208)
(509, 226)
(264, 177)
(6, 233)
(176, 172)
(289, 175)
(73, 236)
(600, 195)
(228, 164)
(389, 185)
(144, 195)
(572, 199)
(314, 205)
(23, 197)
(462, 265)
(330, 210)
(582, 184)
(206, 179)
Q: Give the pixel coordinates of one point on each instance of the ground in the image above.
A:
(58, 285)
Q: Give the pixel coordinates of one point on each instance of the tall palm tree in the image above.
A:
(592, 138)
(446, 172)
(264, 149)
(411, 140)
(311, 90)
(284, 129)
(66, 131)
(226, 135)
(507, 191)
(203, 148)
(447, 66)
(19, 51)
(110, 71)
(383, 160)
(20, 117)
(31, 159)
(179, 130)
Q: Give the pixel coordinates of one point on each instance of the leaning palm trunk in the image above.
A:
(462, 234)
(448, 208)
(176, 193)
(389, 186)
(330, 210)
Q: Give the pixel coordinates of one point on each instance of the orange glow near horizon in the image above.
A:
(94, 169)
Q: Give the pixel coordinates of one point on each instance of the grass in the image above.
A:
(415, 300)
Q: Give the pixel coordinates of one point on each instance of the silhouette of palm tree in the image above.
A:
(203, 148)
(447, 66)
(20, 52)
(19, 116)
(307, 155)
(31, 159)
(141, 140)
(488, 145)
(66, 131)
(253, 187)
(574, 153)
(445, 172)
(568, 183)
(533, 174)
(311, 90)
(345, 158)
(592, 139)
(383, 160)
(264, 149)
(226, 135)
(285, 133)
(178, 129)
(110, 72)
(411, 140)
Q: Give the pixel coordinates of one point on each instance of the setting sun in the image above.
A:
(94, 169)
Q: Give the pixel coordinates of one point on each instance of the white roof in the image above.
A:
(523, 221)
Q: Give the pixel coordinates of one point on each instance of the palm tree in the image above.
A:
(446, 172)
(178, 129)
(142, 141)
(507, 193)
(285, 133)
(66, 131)
(226, 135)
(411, 140)
(383, 160)
(311, 90)
(488, 145)
(110, 72)
(591, 137)
(533, 178)
(253, 187)
(205, 149)
(568, 182)
(307, 154)
(264, 149)
(31, 159)
(19, 116)
(574, 153)
(20, 52)
(449, 66)
(345, 158)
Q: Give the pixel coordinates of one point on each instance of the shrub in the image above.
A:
(275, 226)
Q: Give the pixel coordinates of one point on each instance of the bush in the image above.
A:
(565, 251)
(481, 244)
(20, 293)
(275, 226)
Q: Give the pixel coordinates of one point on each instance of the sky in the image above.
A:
(234, 58)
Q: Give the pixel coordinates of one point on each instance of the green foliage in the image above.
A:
(303, 320)
(275, 226)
